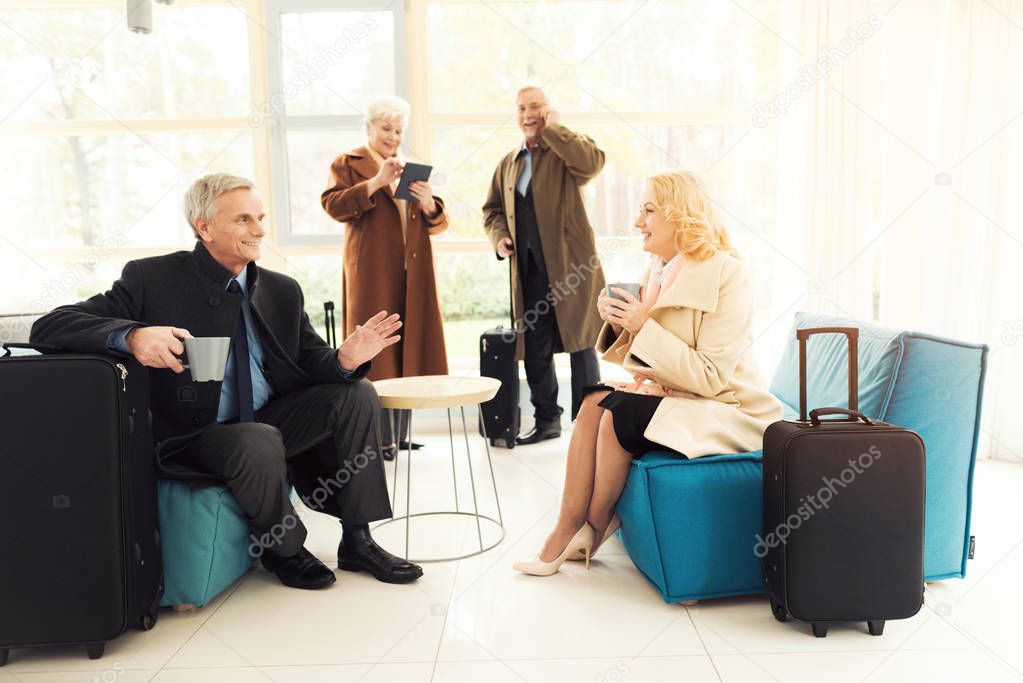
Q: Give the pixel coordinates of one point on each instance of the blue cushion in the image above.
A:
(690, 525)
(827, 365)
(937, 393)
(205, 541)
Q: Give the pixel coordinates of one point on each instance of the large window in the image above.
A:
(103, 129)
(463, 65)
(115, 125)
(686, 108)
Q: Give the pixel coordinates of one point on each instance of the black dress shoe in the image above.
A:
(403, 445)
(301, 570)
(538, 434)
(359, 552)
(389, 452)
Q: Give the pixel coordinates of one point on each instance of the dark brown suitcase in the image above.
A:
(843, 535)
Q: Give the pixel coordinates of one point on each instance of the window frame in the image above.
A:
(280, 124)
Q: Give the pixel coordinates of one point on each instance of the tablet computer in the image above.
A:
(413, 173)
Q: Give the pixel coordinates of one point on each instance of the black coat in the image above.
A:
(188, 290)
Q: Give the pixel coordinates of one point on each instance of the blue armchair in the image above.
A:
(690, 526)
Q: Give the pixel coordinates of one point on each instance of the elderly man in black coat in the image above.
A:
(289, 407)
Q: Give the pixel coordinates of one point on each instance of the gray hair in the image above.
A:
(200, 197)
(528, 88)
(387, 108)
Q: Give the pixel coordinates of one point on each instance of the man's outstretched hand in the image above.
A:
(369, 339)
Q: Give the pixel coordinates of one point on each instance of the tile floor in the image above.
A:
(479, 620)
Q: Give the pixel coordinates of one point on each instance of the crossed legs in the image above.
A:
(595, 476)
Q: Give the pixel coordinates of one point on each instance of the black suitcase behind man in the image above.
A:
(81, 545)
(501, 416)
(843, 513)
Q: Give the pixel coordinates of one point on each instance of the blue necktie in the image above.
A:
(240, 351)
(527, 174)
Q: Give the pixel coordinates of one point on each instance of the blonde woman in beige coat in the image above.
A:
(687, 342)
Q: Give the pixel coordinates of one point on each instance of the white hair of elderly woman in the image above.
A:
(200, 197)
(387, 108)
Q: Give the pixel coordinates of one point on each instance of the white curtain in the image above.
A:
(901, 169)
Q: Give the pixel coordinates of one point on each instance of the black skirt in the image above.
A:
(631, 414)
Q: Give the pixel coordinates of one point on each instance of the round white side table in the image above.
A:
(448, 392)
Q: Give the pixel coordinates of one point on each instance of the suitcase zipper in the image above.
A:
(124, 376)
(128, 590)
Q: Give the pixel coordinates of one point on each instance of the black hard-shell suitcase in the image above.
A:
(501, 416)
(843, 532)
(81, 542)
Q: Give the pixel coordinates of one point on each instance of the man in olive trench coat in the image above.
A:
(534, 214)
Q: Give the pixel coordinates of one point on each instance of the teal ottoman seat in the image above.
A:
(205, 540)
(691, 526)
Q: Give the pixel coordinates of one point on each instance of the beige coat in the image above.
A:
(563, 163)
(698, 343)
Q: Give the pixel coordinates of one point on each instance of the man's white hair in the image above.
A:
(529, 88)
(387, 108)
(201, 196)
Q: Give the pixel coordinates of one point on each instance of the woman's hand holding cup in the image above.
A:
(625, 310)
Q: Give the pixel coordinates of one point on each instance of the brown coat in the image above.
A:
(563, 163)
(374, 265)
(698, 342)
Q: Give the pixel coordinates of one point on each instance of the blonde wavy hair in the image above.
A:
(686, 206)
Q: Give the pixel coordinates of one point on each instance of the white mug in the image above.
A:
(207, 358)
(630, 287)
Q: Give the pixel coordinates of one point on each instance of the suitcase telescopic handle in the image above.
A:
(852, 335)
(853, 415)
(511, 296)
(329, 324)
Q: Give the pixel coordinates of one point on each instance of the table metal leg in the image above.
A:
(472, 479)
(490, 464)
(408, 485)
(475, 512)
(454, 477)
(394, 491)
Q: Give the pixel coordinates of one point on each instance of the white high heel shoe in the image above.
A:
(612, 527)
(581, 542)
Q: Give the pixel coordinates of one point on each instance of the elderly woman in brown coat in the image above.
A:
(388, 258)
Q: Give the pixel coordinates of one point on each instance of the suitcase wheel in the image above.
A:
(820, 630)
(779, 612)
(95, 650)
(4, 654)
(147, 622)
(876, 627)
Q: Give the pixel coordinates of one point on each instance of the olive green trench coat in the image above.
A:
(563, 162)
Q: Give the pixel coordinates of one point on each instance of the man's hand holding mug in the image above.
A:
(158, 347)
